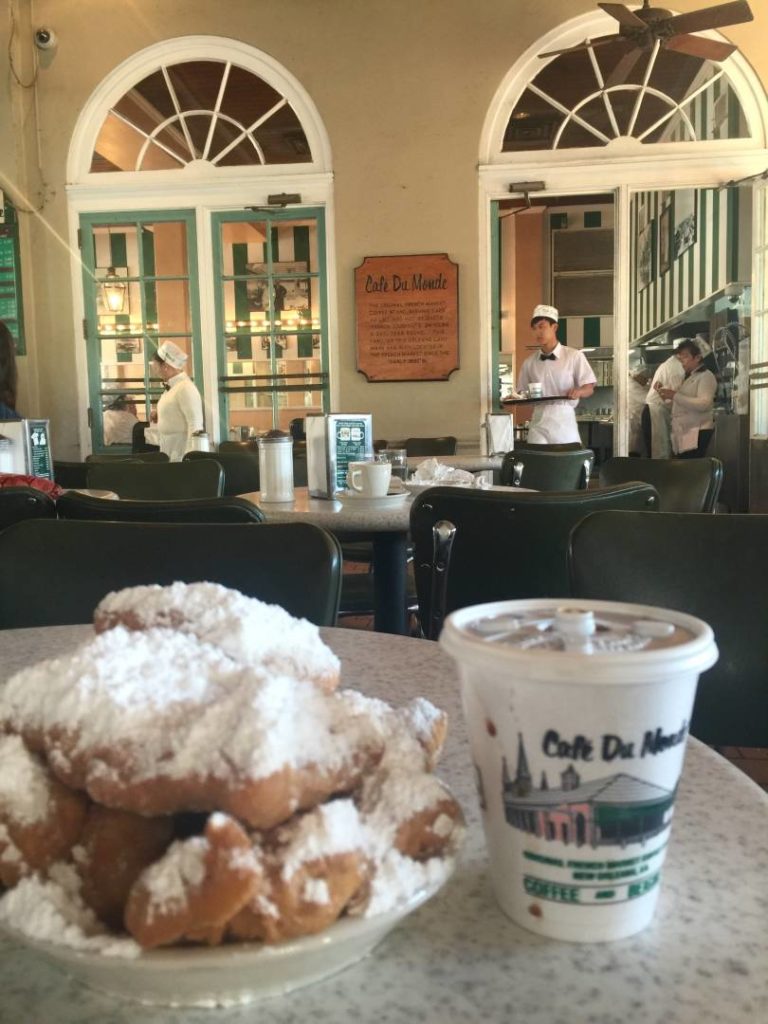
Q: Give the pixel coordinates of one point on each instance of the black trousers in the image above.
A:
(705, 436)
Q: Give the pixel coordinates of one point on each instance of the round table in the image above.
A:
(704, 959)
(386, 526)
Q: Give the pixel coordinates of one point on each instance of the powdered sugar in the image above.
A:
(329, 829)
(246, 629)
(398, 879)
(52, 911)
(24, 783)
(167, 881)
(174, 706)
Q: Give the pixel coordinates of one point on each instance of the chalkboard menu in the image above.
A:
(407, 311)
(10, 274)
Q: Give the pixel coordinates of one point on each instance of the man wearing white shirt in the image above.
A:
(562, 372)
(658, 420)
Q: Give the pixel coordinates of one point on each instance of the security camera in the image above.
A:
(733, 293)
(45, 39)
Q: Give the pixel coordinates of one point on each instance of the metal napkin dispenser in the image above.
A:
(333, 441)
(29, 451)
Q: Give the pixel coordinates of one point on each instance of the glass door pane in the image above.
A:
(270, 319)
(139, 291)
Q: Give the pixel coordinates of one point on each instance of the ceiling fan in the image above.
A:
(639, 31)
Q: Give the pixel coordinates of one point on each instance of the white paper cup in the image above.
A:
(369, 479)
(578, 740)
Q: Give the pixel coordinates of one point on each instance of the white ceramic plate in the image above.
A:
(229, 975)
(355, 500)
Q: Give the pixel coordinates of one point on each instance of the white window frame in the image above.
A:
(198, 186)
(622, 167)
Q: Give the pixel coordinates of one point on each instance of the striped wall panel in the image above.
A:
(689, 272)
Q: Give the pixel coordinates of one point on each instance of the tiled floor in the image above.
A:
(752, 760)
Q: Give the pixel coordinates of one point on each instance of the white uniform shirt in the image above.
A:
(118, 426)
(179, 415)
(692, 410)
(669, 374)
(555, 422)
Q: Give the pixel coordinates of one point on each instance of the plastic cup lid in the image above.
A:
(545, 633)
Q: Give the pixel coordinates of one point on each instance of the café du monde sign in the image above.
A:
(407, 310)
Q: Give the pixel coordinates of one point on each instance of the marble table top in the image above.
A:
(458, 959)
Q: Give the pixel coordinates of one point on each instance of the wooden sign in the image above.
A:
(407, 317)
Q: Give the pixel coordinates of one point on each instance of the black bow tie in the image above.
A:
(166, 387)
(552, 356)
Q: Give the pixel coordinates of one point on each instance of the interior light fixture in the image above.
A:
(113, 290)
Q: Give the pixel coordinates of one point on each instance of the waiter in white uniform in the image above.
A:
(668, 376)
(180, 409)
(561, 371)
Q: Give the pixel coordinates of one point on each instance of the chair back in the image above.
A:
(564, 446)
(158, 481)
(713, 567)
(547, 471)
(191, 510)
(17, 503)
(151, 456)
(505, 544)
(427, 445)
(57, 576)
(241, 469)
(70, 474)
(239, 446)
(684, 485)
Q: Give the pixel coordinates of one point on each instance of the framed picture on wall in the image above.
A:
(646, 251)
(289, 292)
(684, 207)
(665, 240)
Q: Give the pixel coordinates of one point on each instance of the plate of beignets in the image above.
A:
(193, 813)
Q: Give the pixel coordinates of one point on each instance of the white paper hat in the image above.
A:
(545, 311)
(170, 353)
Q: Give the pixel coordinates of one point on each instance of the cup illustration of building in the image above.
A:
(612, 811)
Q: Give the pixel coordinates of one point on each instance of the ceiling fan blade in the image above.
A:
(711, 17)
(698, 46)
(625, 67)
(597, 41)
(623, 15)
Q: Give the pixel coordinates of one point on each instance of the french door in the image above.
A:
(140, 288)
(271, 318)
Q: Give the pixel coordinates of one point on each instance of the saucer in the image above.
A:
(363, 501)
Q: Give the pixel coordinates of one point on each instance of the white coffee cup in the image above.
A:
(577, 713)
(369, 479)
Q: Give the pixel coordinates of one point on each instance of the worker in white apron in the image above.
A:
(180, 409)
(561, 371)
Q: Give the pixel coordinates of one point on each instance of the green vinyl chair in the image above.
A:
(684, 485)
(473, 546)
(158, 481)
(241, 469)
(713, 567)
(190, 510)
(19, 503)
(55, 572)
(547, 470)
(152, 456)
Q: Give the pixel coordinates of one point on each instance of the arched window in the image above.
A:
(209, 110)
(666, 97)
(199, 179)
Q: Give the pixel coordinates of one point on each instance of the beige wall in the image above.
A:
(402, 86)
